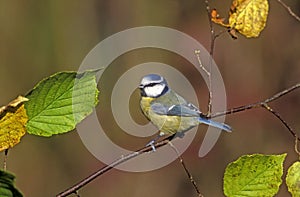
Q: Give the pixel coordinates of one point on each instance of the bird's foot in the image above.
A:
(151, 143)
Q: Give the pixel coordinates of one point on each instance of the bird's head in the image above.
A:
(153, 86)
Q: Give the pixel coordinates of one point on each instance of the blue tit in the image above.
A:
(169, 111)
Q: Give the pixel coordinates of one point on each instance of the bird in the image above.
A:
(169, 111)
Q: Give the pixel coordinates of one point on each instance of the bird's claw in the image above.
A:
(151, 143)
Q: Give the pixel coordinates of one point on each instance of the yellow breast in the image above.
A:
(166, 124)
(145, 105)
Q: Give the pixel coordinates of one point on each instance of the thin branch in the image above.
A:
(282, 93)
(190, 177)
(197, 53)
(211, 52)
(213, 37)
(211, 27)
(257, 104)
(74, 189)
(289, 10)
(296, 146)
(265, 105)
(186, 170)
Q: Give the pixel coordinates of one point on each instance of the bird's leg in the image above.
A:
(151, 143)
(161, 134)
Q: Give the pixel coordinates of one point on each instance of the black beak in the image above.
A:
(141, 86)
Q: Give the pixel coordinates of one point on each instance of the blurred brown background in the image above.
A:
(39, 38)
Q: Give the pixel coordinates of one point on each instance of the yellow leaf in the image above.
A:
(13, 118)
(248, 17)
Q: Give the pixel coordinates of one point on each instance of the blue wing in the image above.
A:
(188, 110)
(209, 122)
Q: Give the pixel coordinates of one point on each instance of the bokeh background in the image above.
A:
(39, 38)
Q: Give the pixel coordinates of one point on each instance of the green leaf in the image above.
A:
(59, 102)
(7, 185)
(293, 179)
(254, 175)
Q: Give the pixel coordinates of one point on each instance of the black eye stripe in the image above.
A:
(151, 84)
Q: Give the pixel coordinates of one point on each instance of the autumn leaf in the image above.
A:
(215, 17)
(248, 17)
(13, 118)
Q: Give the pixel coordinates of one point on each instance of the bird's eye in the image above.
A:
(151, 84)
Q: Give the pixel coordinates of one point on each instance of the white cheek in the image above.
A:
(154, 91)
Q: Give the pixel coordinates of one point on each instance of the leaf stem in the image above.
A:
(5, 159)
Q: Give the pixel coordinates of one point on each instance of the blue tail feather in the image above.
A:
(209, 122)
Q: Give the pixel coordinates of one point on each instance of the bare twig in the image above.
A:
(197, 53)
(74, 189)
(277, 115)
(257, 104)
(265, 105)
(190, 177)
(213, 37)
(211, 52)
(186, 170)
(282, 93)
(211, 27)
(289, 10)
(296, 146)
